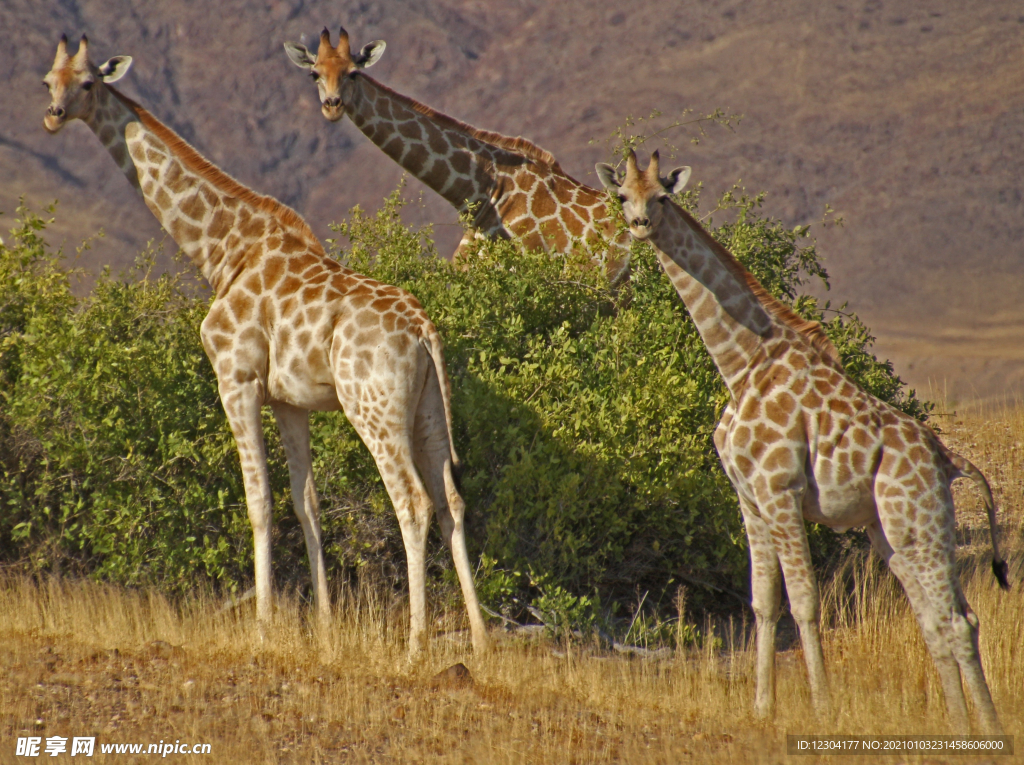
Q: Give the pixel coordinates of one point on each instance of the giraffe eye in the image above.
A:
(315, 76)
(86, 86)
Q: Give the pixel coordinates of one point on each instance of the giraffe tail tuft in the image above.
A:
(1001, 570)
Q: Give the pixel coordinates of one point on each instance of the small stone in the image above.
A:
(456, 676)
(164, 650)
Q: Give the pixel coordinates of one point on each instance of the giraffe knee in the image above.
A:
(805, 610)
(765, 612)
(965, 627)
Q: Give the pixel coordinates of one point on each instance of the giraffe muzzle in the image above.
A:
(333, 108)
(54, 119)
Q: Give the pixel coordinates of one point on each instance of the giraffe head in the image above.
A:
(332, 69)
(74, 81)
(642, 193)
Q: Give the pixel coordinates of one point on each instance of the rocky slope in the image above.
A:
(906, 117)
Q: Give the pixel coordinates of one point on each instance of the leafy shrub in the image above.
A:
(584, 418)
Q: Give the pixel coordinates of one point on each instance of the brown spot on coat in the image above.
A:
(183, 232)
(461, 162)
(891, 438)
(175, 179)
(394, 148)
(840, 407)
(778, 458)
(241, 305)
(312, 293)
(291, 243)
(411, 130)
(745, 466)
(741, 436)
(415, 159)
(811, 400)
(193, 206)
(365, 319)
(288, 286)
(438, 174)
(220, 224)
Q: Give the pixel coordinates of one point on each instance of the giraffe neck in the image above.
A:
(731, 319)
(420, 143)
(109, 121)
(218, 223)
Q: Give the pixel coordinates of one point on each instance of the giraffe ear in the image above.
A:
(609, 178)
(299, 55)
(370, 54)
(676, 180)
(116, 68)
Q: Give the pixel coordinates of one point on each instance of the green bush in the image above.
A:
(583, 416)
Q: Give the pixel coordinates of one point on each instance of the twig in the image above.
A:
(232, 602)
(496, 615)
(636, 614)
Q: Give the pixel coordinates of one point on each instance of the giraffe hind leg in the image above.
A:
(382, 408)
(950, 629)
(935, 636)
(433, 456)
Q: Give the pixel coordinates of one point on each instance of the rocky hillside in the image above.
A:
(906, 117)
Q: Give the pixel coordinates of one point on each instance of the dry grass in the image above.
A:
(81, 658)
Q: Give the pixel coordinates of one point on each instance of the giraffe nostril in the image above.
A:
(56, 111)
(334, 102)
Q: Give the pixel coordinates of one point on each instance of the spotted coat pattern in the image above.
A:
(800, 441)
(512, 187)
(293, 329)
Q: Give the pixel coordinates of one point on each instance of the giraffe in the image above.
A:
(799, 440)
(291, 328)
(509, 186)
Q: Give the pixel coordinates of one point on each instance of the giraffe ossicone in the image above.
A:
(800, 441)
(291, 328)
(508, 187)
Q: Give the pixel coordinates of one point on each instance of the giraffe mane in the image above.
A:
(812, 330)
(286, 216)
(517, 144)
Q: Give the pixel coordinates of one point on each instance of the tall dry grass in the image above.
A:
(81, 658)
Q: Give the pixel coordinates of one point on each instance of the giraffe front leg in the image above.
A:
(784, 517)
(766, 590)
(294, 426)
(242, 403)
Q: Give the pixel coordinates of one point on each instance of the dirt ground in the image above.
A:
(130, 667)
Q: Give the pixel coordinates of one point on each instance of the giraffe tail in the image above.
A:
(436, 349)
(968, 470)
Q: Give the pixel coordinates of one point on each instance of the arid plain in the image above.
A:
(131, 667)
